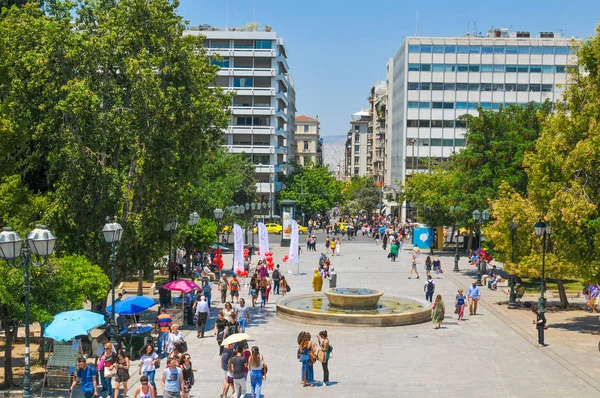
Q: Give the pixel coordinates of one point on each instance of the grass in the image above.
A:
(533, 285)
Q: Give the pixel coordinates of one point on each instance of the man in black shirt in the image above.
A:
(237, 364)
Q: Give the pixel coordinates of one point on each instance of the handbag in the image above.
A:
(184, 346)
(265, 369)
(321, 357)
(109, 372)
(288, 288)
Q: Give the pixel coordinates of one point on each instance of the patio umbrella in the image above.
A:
(69, 324)
(132, 305)
(235, 338)
(181, 286)
(218, 246)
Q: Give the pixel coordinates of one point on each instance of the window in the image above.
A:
(448, 105)
(437, 86)
(438, 49)
(449, 86)
(487, 49)
(424, 105)
(223, 63)
(356, 171)
(511, 68)
(473, 86)
(548, 50)
(412, 123)
(356, 138)
(306, 128)
(447, 142)
(437, 105)
(450, 68)
(242, 82)
(486, 105)
(435, 142)
(474, 49)
(423, 142)
(450, 49)
(510, 87)
(536, 50)
(546, 88)
(462, 68)
(463, 49)
(425, 49)
(462, 86)
(449, 124)
(512, 50)
(523, 68)
(356, 148)
(413, 86)
(487, 68)
(522, 87)
(499, 68)
(264, 44)
(496, 107)
(356, 159)
(473, 105)
(474, 68)
(356, 128)
(460, 142)
(437, 67)
(461, 105)
(437, 124)
(560, 68)
(562, 50)
(547, 68)
(499, 49)
(535, 68)
(413, 105)
(306, 144)
(215, 43)
(425, 67)
(413, 67)
(497, 87)
(460, 124)
(243, 44)
(423, 123)
(425, 86)
(523, 49)
(414, 48)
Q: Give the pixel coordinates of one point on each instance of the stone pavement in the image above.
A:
(491, 354)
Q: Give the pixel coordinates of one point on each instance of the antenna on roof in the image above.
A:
(417, 23)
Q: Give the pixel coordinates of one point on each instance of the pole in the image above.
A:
(542, 303)
(479, 265)
(512, 298)
(27, 372)
(252, 229)
(170, 254)
(456, 256)
(113, 328)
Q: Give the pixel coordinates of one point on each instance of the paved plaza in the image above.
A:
(491, 354)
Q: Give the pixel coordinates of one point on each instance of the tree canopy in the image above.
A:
(314, 188)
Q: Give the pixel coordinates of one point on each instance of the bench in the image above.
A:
(569, 293)
(148, 288)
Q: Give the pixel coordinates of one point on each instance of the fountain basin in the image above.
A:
(353, 298)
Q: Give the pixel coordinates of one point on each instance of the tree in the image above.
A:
(314, 188)
(361, 194)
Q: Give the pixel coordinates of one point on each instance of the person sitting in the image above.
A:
(494, 282)
(490, 278)
(207, 273)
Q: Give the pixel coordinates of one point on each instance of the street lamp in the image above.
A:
(512, 297)
(40, 242)
(542, 230)
(218, 213)
(480, 218)
(454, 211)
(171, 227)
(112, 235)
(192, 222)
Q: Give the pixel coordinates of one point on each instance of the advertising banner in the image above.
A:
(238, 248)
(263, 240)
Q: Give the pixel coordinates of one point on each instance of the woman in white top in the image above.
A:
(145, 390)
(243, 315)
(148, 361)
(258, 372)
(174, 337)
(228, 310)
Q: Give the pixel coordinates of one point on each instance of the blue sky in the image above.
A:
(337, 49)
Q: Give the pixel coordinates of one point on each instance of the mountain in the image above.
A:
(334, 149)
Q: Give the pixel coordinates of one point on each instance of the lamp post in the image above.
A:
(512, 297)
(454, 211)
(112, 235)
(480, 218)
(218, 213)
(171, 227)
(542, 230)
(40, 242)
(192, 222)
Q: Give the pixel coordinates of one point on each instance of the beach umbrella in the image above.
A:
(132, 305)
(70, 324)
(181, 286)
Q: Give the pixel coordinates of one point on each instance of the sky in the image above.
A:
(337, 49)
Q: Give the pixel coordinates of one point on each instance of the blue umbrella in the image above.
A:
(132, 305)
(70, 324)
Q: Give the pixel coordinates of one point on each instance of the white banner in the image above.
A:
(263, 240)
(294, 243)
(238, 248)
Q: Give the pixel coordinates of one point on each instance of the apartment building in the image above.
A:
(359, 145)
(254, 66)
(431, 81)
(308, 141)
(378, 124)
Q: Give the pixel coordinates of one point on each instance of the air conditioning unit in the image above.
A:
(546, 35)
(523, 34)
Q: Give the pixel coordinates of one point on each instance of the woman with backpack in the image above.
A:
(324, 354)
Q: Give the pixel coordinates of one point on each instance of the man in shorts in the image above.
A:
(234, 288)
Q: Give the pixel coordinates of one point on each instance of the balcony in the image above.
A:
(251, 91)
(247, 72)
(281, 113)
(267, 187)
(251, 130)
(268, 168)
(253, 110)
(243, 52)
(258, 149)
(282, 96)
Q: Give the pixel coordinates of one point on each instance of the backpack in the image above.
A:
(430, 286)
(263, 289)
(276, 274)
(206, 289)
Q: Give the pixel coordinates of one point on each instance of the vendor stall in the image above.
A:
(134, 335)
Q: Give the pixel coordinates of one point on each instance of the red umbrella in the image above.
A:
(181, 286)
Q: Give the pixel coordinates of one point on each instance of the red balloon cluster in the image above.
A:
(269, 259)
(242, 273)
(285, 258)
(246, 253)
(218, 258)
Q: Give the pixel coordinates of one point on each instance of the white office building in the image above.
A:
(434, 80)
(254, 66)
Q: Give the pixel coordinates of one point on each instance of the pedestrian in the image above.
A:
(122, 368)
(415, 260)
(437, 267)
(332, 247)
(188, 374)
(203, 315)
(236, 367)
(189, 299)
(283, 284)
(474, 295)
(393, 251)
(163, 327)
(254, 288)
(540, 325)
(338, 245)
(429, 288)
(307, 356)
(172, 380)
(276, 278)
(258, 372)
(384, 241)
(593, 293)
(439, 309)
(223, 285)
(234, 288)
(459, 303)
(233, 326)
(243, 315)
(219, 331)
(327, 244)
(98, 349)
(324, 352)
(106, 362)
(428, 266)
(317, 281)
(332, 279)
(149, 361)
(145, 390)
(225, 357)
(86, 374)
(207, 290)
(175, 337)
(269, 286)
(263, 285)
(228, 310)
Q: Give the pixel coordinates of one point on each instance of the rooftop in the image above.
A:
(304, 118)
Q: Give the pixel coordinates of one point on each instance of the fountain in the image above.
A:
(354, 306)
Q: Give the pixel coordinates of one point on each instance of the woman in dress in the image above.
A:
(188, 374)
(438, 311)
(257, 374)
(148, 361)
(122, 370)
(220, 325)
(283, 285)
(338, 245)
(459, 303)
(324, 347)
(145, 390)
(307, 356)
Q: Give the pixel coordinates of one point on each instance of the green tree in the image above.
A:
(361, 194)
(314, 188)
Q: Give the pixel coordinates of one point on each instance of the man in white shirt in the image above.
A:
(203, 314)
